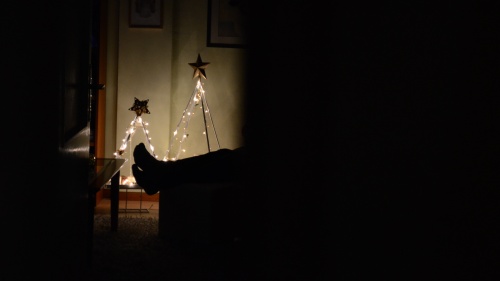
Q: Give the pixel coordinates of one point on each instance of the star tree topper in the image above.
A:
(199, 68)
(140, 106)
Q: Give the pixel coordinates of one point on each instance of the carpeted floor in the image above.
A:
(136, 252)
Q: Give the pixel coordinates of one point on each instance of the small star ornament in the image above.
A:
(140, 106)
(199, 68)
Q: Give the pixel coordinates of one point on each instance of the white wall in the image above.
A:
(153, 64)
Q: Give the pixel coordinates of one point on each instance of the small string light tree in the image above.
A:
(140, 107)
(197, 101)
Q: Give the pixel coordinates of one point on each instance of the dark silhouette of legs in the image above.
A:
(152, 175)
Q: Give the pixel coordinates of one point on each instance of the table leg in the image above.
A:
(115, 188)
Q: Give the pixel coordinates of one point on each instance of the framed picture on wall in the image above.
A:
(225, 24)
(146, 13)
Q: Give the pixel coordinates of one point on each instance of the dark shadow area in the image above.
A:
(372, 147)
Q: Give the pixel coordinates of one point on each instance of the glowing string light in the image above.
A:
(139, 107)
(197, 100)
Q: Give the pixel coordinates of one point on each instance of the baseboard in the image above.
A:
(132, 195)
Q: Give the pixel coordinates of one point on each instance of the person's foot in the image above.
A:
(145, 180)
(143, 158)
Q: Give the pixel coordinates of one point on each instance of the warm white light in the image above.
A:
(130, 132)
(196, 101)
(129, 181)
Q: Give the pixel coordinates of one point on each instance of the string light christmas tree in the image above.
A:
(196, 102)
(139, 107)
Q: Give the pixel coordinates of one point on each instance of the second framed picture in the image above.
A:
(226, 24)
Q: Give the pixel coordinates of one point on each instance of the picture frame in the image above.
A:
(146, 13)
(225, 24)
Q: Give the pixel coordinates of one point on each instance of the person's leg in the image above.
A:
(153, 175)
